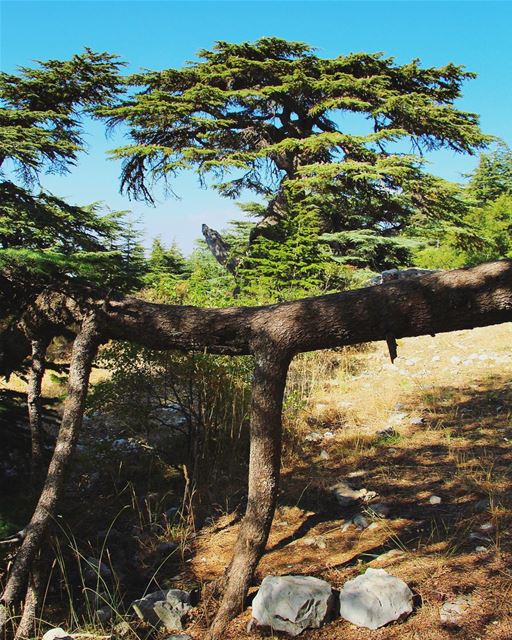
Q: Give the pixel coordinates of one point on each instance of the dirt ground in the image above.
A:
(436, 423)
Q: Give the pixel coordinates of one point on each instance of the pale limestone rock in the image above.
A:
(374, 599)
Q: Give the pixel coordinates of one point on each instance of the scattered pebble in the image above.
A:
(452, 611)
(435, 500)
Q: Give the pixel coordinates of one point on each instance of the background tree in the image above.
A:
(493, 176)
(45, 242)
(259, 116)
(41, 130)
(486, 229)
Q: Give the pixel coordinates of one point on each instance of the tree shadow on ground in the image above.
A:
(460, 452)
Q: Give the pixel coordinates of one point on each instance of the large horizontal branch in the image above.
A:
(430, 304)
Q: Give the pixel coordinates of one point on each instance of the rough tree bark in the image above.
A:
(268, 386)
(440, 302)
(84, 350)
(28, 625)
(34, 401)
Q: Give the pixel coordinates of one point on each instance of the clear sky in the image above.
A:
(157, 35)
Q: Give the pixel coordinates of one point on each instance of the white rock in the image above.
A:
(415, 421)
(388, 557)
(167, 607)
(292, 603)
(375, 599)
(324, 455)
(452, 610)
(56, 634)
(378, 510)
(434, 500)
(360, 521)
(345, 495)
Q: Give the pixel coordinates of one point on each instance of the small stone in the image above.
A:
(374, 599)
(356, 474)
(179, 636)
(487, 526)
(474, 535)
(324, 455)
(379, 510)
(388, 557)
(416, 421)
(104, 614)
(480, 549)
(122, 629)
(167, 607)
(452, 611)
(56, 634)
(360, 521)
(373, 525)
(328, 435)
(435, 500)
(388, 432)
(347, 496)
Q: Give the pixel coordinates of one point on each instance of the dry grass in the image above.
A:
(459, 385)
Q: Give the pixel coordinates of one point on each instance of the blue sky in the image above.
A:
(157, 35)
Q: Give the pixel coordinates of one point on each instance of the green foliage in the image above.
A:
(484, 230)
(40, 118)
(43, 239)
(260, 116)
(204, 398)
(493, 176)
(290, 263)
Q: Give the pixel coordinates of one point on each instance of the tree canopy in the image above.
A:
(273, 115)
(42, 113)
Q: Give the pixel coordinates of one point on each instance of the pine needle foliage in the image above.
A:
(259, 115)
(43, 239)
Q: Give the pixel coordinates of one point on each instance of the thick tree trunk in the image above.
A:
(264, 467)
(84, 350)
(34, 401)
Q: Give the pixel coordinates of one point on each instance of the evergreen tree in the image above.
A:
(259, 116)
(43, 238)
(493, 176)
(290, 263)
(166, 262)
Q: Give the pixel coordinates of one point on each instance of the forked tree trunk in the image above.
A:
(264, 468)
(84, 350)
(28, 626)
(34, 402)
